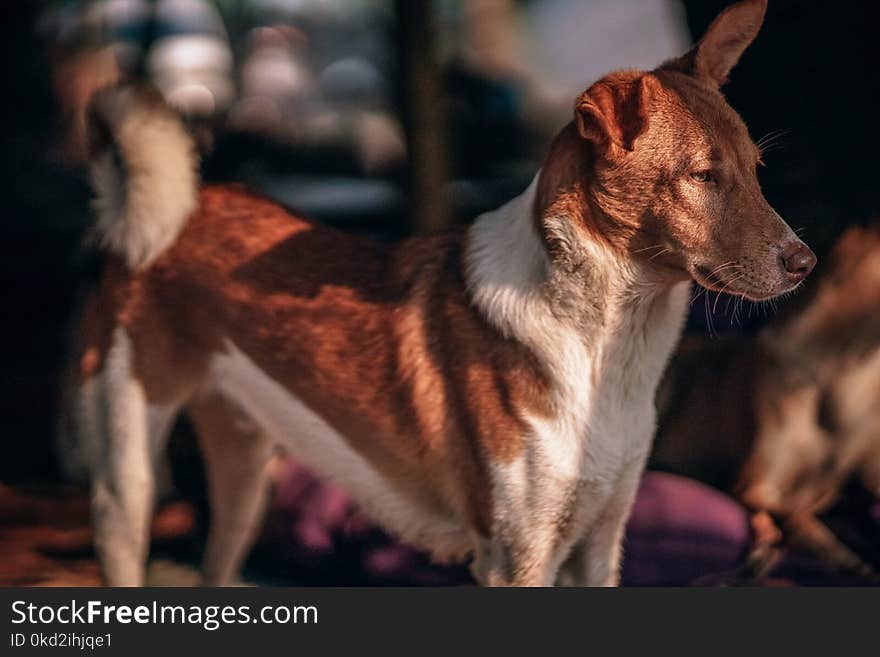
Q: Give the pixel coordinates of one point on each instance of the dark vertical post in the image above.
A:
(423, 115)
(147, 39)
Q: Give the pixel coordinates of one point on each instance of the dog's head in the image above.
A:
(660, 165)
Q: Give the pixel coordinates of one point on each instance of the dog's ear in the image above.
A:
(732, 31)
(614, 111)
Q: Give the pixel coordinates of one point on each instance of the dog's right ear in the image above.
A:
(614, 111)
(724, 42)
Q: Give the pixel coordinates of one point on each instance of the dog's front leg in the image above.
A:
(595, 561)
(529, 537)
(515, 562)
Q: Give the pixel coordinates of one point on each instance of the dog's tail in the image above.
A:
(144, 170)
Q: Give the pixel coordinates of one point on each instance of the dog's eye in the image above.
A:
(701, 176)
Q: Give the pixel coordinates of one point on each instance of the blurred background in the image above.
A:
(385, 118)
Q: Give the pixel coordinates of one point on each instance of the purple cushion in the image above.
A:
(681, 530)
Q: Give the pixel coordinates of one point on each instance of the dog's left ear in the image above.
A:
(614, 111)
(724, 42)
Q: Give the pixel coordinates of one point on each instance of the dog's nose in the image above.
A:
(798, 260)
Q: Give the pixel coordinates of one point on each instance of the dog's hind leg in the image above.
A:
(806, 531)
(236, 454)
(767, 550)
(123, 437)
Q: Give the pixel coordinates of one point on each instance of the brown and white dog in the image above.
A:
(485, 392)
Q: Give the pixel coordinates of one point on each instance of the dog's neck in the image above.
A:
(623, 316)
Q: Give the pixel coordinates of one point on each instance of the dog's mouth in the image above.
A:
(737, 281)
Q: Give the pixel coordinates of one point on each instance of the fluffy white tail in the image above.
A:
(144, 170)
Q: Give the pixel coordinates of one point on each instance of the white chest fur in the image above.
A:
(605, 370)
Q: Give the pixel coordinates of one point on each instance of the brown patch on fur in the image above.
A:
(563, 194)
(96, 325)
(609, 117)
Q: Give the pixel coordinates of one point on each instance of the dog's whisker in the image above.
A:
(727, 285)
(772, 136)
(737, 306)
(770, 143)
(709, 323)
(773, 133)
(660, 253)
(726, 265)
(733, 299)
(714, 277)
(728, 268)
(715, 305)
(723, 264)
(698, 290)
(648, 248)
(771, 148)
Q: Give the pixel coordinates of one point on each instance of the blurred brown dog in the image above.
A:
(786, 421)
